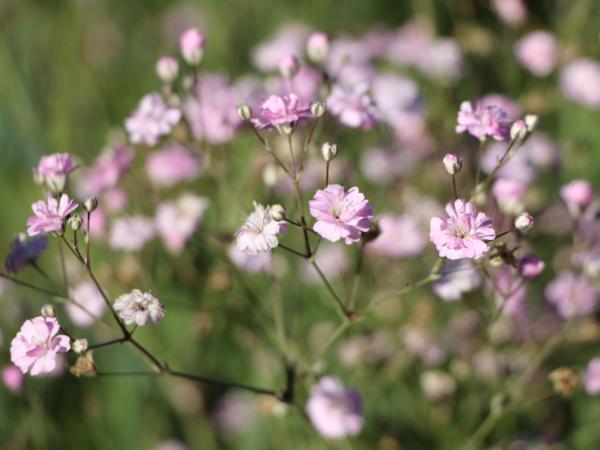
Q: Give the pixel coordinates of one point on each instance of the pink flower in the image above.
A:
(278, 111)
(580, 81)
(151, 120)
(86, 306)
(260, 262)
(13, 378)
(317, 47)
(578, 193)
(512, 12)
(591, 378)
(131, 233)
(259, 232)
(191, 44)
(530, 266)
(399, 237)
(353, 106)
(462, 233)
(24, 251)
(572, 295)
(50, 217)
(289, 40)
(35, 347)
(341, 214)
(482, 121)
(54, 170)
(509, 194)
(177, 221)
(457, 278)
(106, 171)
(167, 68)
(334, 410)
(537, 52)
(172, 165)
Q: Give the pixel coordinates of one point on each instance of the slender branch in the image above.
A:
(207, 380)
(291, 250)
(88, 260)
(346, 313)
(327, 173)
(454, 189)
(31, 286)
(107, 343)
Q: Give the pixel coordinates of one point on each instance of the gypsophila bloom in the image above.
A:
(139, 307)
(152, 119)
(13, 378)
(191, 44)
(87, 304)
(537, 52)
(457, 278)
(24, 251)
(591, 378)
(177, 221)
(530, 266)
(341, 214)
(131, 233)
(462, 233)
(36, 346)
(167, 68)
(281, 110)
(334, 410)
(50, 216)
(577, 193)
(580, 81)
(572, 295)
(354, 106)
(259, 232)
(53, 170)
(172, 165)
(482, 121)
(106, 171)
(317, 47)
(509, 194)
(399, 237)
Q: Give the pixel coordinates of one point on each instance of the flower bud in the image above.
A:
(318, 109)
(530, 266)
(564, 381)
(289, 66)
(80, 345)
(90, 204)
(518, 131)
(277, 213)
(244, 112)
(84, 366)
(317, 47)
(48, 311)
(452, 163)
(329, 151)
(191, 44)
(270, 175)
(75, 222)
(531, 120)
(524, 222)
(167, 69)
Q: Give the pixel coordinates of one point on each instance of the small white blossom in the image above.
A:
(139, 307)
(259, 232)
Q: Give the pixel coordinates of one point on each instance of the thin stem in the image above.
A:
(88, 260)
(504, 233)
(478, 172)
(206, 380)
(405, 290)
(357, 273)
(31, 286)
(62, 265)
(307, 248)
(327, 173)
(107, 343)
(454, 189)
(292, 155)
(332, 339)
(346, 313)
(299, 225)
(158, 365)
(291, 250)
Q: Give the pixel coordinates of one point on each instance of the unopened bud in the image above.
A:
(524, 222)
(329, 151)
(80, 345)
(289, 66)
(277, 213)
(452, 163)
(48, 311)
(167, 69)
(90, 204)
(318, 109)
(75, 221)
(317, 47)
(518, 131)
(244, 111)
(191, 44)
(531, 120)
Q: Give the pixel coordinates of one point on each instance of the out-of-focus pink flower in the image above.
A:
(332, 260)
(443, 60)
(289, 40)
(167, 68)
(482, 121)
(13, 378)
(537, 52)
(24, 251)
(341, 214)
(353, 106)
(139, 307)
(259, 232)
(305, 84)
(399, 237)
(151, 120)
(50, 216)
(509, 292)
(530, 266)
(580, 81)
(87, 305)
(36, 345)
(106, 171)
(114, 200)
(591, 378)
(512, 12)
(578, 193)
(289, 66)
(235, 412)
(463, 232)
(279, 111)
(177, 221)
(172, 165)
(260, 262)
(191, 45)
(317, 47)
(131, 233)
(53, 170)
(511, 108)
(98, 222)
(572, 295)
(509, 194)
(457, 278)
(334, 410)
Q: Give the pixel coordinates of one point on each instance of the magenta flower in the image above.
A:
(353, 107)
(482, 121)
(591, 378)
(151, 120)
(24, 251)
(341, 214)
(54, 170)
(334, 410)
(280, 110)
(50, 217)
(462, 233)
(572, 295)
(35, 347)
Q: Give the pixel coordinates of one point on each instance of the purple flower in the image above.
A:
(530, 266)
(482, 121)
(354, 106)
(172, 165)
(341, 214)
(281, 110)
(54, 170)
(591, 378)
(334, 410)
(152, 119)
(24, 251)
(457, 279)
(462, 233)
(50, 217)
(572, 295)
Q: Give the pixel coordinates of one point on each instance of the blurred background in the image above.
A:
(72, 71)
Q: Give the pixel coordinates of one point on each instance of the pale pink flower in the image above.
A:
(139, 307)
(172, 165)
(50, 216)
(334, 410)
(509, 194)
(317, 47)
(572, 295)
(591, 378)
(53, 170)
(98, 223)
(35, 347)
(24, 251)
(288, 40)
(177, 221)
(167, 68)
(13, 378)
(191, 45)
(131, 233)
(152, 119)
(353, 106)
(259, 232)
(399, 102)
(457, 278)
(482, 121)
(443, 60)
(260, 262)
(463, 232)
(513, 12)
(341, 214)
(537, 52)
(399, 237)
(114, 200)
(279, 111)
(578, 193)
(106, 171)
(580, 81)
(452, 163)
(87, 304)
(530, 266)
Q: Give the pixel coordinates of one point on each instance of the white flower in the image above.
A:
(138, 307)
(259, 233)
